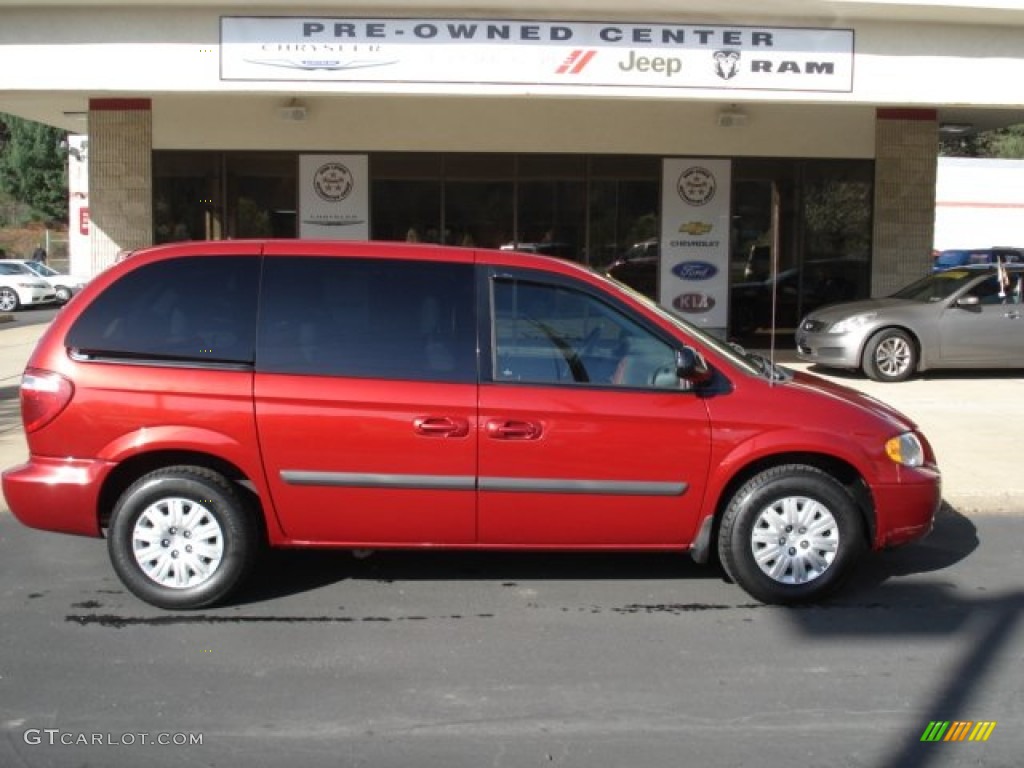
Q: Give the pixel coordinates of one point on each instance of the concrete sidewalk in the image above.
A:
(971, 420)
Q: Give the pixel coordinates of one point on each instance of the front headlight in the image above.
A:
(905, 449)
(852, 323)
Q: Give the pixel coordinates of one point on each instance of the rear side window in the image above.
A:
(193, 309)
(368, 318)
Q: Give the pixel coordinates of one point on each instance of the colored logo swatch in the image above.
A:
(958, 730)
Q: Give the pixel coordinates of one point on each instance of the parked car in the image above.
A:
(199, 398)
(794, 290)
(637, 267)
(562, 250)
(64, 286)
(958, 318)
(21, 287)
(960, 257)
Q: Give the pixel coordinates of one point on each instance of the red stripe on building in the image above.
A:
(907, 114)
(120, 105)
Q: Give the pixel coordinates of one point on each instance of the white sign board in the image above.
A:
(694, 277)
(334, 197)
(506, 52)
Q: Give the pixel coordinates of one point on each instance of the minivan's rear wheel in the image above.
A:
(790, 534)
(181, 537)
(63, 294)
(890, 355)
(9, 300)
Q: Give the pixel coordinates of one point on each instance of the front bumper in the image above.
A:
(905, 511)
(838, 350)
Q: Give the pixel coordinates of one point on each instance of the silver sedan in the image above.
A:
(966, 317)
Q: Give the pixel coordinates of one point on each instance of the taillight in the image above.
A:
(44, 394)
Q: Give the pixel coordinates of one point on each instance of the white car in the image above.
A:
(21, 287)
(64, 286)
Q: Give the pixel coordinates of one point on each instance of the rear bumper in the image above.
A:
(56, 494)
(906, 510)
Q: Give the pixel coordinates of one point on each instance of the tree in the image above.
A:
(33, 167)
(1006, 143)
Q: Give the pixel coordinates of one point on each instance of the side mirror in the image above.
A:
(691, 366)
(968, 301)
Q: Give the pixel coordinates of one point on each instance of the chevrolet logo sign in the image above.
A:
(695, 228)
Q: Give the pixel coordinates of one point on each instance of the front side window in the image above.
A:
(550, 334)
(368, 318)
(193, 309)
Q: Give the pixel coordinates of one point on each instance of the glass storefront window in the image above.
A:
(801, 230)
(623, 207)
(550, 211)
(479, 200)
(186, 195)
(405, 197)
(263, 189)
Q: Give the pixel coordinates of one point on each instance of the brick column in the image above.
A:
(906, 156)
(120, 178)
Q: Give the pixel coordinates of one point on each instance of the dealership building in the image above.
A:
(703, 137)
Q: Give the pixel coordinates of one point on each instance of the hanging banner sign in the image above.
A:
(334, 197)
(536, 53)
(694, 271)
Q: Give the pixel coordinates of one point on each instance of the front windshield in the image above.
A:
(40, 269)
(936, 287)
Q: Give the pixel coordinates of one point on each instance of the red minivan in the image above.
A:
(199, 399)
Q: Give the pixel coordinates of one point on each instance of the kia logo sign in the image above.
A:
(695, 270)
(693, 303)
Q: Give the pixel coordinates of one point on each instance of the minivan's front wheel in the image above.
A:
(181, 537)
(790, 534)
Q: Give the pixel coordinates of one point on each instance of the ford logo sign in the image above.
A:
(693, 303)
(694, 270)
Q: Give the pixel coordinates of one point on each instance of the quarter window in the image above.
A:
(548, 334)
(368, 318)
(193, 309)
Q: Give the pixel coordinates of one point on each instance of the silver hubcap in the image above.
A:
(7, 301)
(795, 540)
(893, 356)
(178, 543)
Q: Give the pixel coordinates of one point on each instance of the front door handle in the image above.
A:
(441, 426)
(501, 429)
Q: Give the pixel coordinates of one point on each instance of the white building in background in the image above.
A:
(809, 125)
(979, 203)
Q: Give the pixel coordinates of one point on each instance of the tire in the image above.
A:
(63, 294)
(790, 535)
(9, 301)
(182, 538)
(890, 355)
